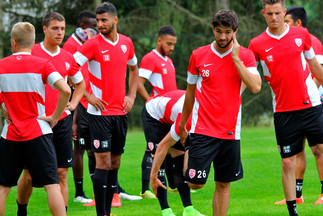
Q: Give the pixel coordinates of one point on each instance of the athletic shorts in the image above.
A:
(291, 128)
(63, 142)
(37, 154)
(225, 155)
(83, 128)
(108, 133)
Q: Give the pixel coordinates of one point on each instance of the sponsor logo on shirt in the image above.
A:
(206, 65)
(164, 71)
(162, 65)
(270, 58)
(96, 143)
(124, 48)
(106, 57)
(298, 41)
(104, 51)
(267, 50)
(192, 173)
(67, 65)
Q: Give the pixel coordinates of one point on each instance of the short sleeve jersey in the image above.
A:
(167, 108)
(108, 66)
(22, 83)
(159, 71)
(72, 45)
(285, 69)
(65, 64)
(218, 93)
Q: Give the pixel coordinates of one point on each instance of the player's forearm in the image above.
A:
(65, 93)
(316, 69)
(142, 91)
(133, 82)
(252, 81)
(78, 93)
(188, 106)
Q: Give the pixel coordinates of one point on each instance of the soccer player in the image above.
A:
(158, 69)
(283, 52)
(81, 131)
(296, 16)
(217, 75)
(158, 117)
(54, 30)
(26, 137)
(109, 53)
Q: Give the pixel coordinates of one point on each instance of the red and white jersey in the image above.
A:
(318, 48)
(167, 108)
(218, 93)
(22, 85)
(285, 69)
(72, 45)
(66, 66)
(108, 68)
(159, 71)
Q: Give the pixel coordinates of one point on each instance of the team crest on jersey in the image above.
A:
(164, 71)
(298, 41)
(18, 57)
(151, 146)
(67, 65)
(192, 173)
(96, 143)
(270, 58)
(124, 48)
(106, 57)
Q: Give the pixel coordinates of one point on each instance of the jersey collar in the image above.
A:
(158, 54)
(280, 36)
(76, 39)
(109, 41)
(219, 54)
(21, 53)
(49, 53)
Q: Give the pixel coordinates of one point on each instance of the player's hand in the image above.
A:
(97, 102)
(52, 122)
(155, 184)
(128, 103)
(236, 46)
(183, 135)
(74, 129)
(6, 116)
(70, 106)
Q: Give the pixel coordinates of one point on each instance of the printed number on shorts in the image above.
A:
(201, 174)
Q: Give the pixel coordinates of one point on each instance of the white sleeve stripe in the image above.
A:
(53, 77)
(145, 73)
(309, 54)
(253, 70)
(191, 79)
(80, 58)
(133, 61)
(77, 78)
(319, 58)
(173, 133)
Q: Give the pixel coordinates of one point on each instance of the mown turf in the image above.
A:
(254, 195)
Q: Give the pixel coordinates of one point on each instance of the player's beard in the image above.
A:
(109, 30)
(225, 44)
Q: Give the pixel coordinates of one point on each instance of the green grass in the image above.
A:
(253, 195)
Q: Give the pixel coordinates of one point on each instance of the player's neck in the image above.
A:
(52, 48)
(278, 31)
(113, 36)
(18, 50)
(158, 49)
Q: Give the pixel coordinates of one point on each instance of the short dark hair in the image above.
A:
(84, 16)
(297, 12)
(107, 7)
(271, 2)
(52, 16)
(166, 30)
(226, 18)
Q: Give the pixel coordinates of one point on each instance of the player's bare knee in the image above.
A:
(316, 152)
(195, 186)
(288, 163)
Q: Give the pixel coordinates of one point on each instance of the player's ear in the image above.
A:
(115, 19)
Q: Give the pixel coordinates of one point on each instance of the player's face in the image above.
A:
(90, 22)
(167, 44)
(106, 23)
(223, 36)
(274, 15)
(54, 32)
(289, 20)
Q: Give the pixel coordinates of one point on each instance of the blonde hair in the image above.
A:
(24, 34)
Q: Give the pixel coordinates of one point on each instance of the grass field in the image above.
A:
(252, 196)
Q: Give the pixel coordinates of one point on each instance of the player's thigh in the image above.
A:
(119, 133)
(83, 128)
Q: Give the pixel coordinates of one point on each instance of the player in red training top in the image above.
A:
(81, 131)
(158, 118)
(26, 137)
(108, 55)
(158, 69)
(54, 29)
(217, 75)
(296, 16)
(283, 51)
